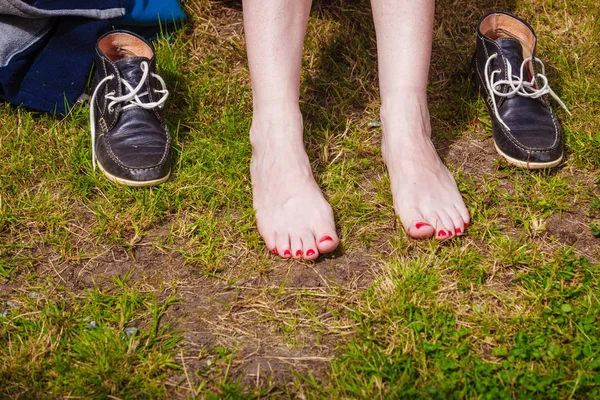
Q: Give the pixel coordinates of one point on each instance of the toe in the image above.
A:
(464, 213)
(421, 230)
(443, 230)
(457, 221)
(283, 244)
(448, 225)
(269, 239)
(326, 241)
(309, 246)
(296, 247)
(416, 225)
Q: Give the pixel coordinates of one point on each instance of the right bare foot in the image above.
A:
(292, 215)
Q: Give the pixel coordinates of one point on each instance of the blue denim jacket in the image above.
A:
(47, 46)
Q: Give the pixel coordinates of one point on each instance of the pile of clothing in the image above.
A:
(47, 46)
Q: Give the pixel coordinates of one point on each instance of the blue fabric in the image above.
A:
(59, 73)
(12, 74)
(72, 5)
(52, 74)
(150, 12)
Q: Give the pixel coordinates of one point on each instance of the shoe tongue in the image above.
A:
(513, 53)
(131, 71)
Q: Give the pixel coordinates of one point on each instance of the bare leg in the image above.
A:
(292, 215)
(425, 194)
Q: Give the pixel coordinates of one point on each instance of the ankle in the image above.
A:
(405, 115)
(276, 124)
(407, 106)
(273, 110)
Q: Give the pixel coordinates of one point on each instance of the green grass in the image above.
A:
(78, 345)
(510, 310)
(477, 342)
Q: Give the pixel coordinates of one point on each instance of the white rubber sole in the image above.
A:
(528, 165)
(127, 182)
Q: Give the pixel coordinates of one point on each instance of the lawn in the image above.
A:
(169, 292)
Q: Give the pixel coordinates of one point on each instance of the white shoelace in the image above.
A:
(519, 86)
(133, 98)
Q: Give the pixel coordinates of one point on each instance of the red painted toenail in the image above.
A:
(274, 251)
(310, 252)
(325, 238)
(419, 225)
(458, 230)
(441, 233)
(298, 253)
(466, 225)
(287, 253)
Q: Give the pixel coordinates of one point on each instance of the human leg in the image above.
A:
(292, 215)
(425, 193)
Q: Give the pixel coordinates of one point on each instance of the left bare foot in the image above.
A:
(425, 193)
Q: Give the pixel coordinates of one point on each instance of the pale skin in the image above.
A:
(292, 215)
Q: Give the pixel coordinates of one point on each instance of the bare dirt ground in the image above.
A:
(283, 321)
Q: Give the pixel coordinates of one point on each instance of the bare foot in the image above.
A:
(292, 215)
(425, 193)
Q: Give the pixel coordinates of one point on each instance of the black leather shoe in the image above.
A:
(505, 73)
(130, 141)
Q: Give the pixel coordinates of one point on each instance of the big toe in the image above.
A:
(327, 240)
(417, 226)
(421, 230)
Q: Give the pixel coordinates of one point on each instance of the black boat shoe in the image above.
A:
(130, 141)
(505, 73)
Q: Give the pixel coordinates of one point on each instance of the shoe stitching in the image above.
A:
(115, 72)
(112, 119)
(477, 65)
(103, 125)
(481, 85)
(530, 149)
(493, 43)
(510, 39)
(503, 57)
(556, 129)
(114, 157)
(484, 48)
(160, 163)
(105, 74)
(488, 99)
